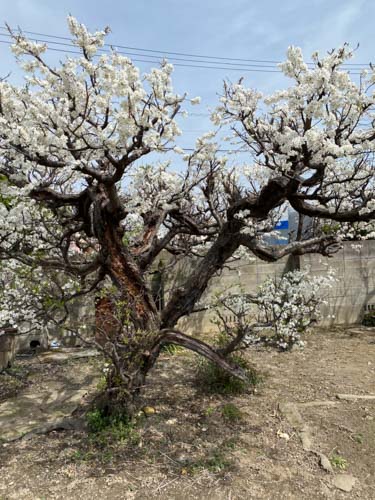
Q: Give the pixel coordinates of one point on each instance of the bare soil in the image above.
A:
(193, 448)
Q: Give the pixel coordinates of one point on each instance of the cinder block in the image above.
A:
(356, 250)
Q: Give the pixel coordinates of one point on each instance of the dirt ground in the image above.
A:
(195, 446)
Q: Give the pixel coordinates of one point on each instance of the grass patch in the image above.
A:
(214, 380)
(104, 429)
(338, 462)
(231, 413)
(172, 349)
(216, 461)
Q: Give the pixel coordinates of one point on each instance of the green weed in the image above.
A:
(338, 462)
(213, 379)
(231, 413)
(216, 461)
(82, 456)
(105, 429)
(172, 349)
(209, 411)
(358, 438)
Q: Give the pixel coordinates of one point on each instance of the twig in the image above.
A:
(169, 458)
(159, 488)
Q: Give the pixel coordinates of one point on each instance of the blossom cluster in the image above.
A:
(291, 304)
(287, 306)
(317, 131)
(30, 297)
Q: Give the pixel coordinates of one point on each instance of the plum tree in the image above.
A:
(76, 201)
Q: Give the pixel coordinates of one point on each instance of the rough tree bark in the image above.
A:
(127, 322)
(130, 329)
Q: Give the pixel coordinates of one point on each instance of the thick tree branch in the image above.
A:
(354, 215)
(325, 245)
(271, 196)
(185, 297)
(172, 336)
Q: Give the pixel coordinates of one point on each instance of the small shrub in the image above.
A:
(339, 462)
(231, 413)
(124, 432)
(104, 428)
(369, 319)
(96, 421)
(213, 379)
(172, 349)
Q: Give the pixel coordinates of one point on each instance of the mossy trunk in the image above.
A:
(126, 379)
(127, 328)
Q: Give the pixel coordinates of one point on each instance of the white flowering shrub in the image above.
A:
(291, 304)
(286, 305)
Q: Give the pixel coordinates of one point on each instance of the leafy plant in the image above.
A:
(369, 319)
(231, 413)
(104, 429)
(96, 421)
(338, 462)
(213, 379)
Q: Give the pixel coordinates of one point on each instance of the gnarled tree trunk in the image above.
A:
(129, 349)
(127, 321)
(129, 328)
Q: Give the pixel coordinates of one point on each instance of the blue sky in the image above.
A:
(236, 29)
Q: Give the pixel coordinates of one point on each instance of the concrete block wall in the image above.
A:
(81, 319)
(347, 300)
(240, 276)
(354, 290)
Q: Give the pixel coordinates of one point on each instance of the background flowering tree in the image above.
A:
(284, 306)
(76, 202)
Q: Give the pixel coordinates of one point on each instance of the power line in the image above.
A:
(138, 55)
(257, 66)
(241, 69)
(66, 51)
(205, 58)
(149, 50)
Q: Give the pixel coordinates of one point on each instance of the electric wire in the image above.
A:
(267, 61)
(66, 51)
(259, 65)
